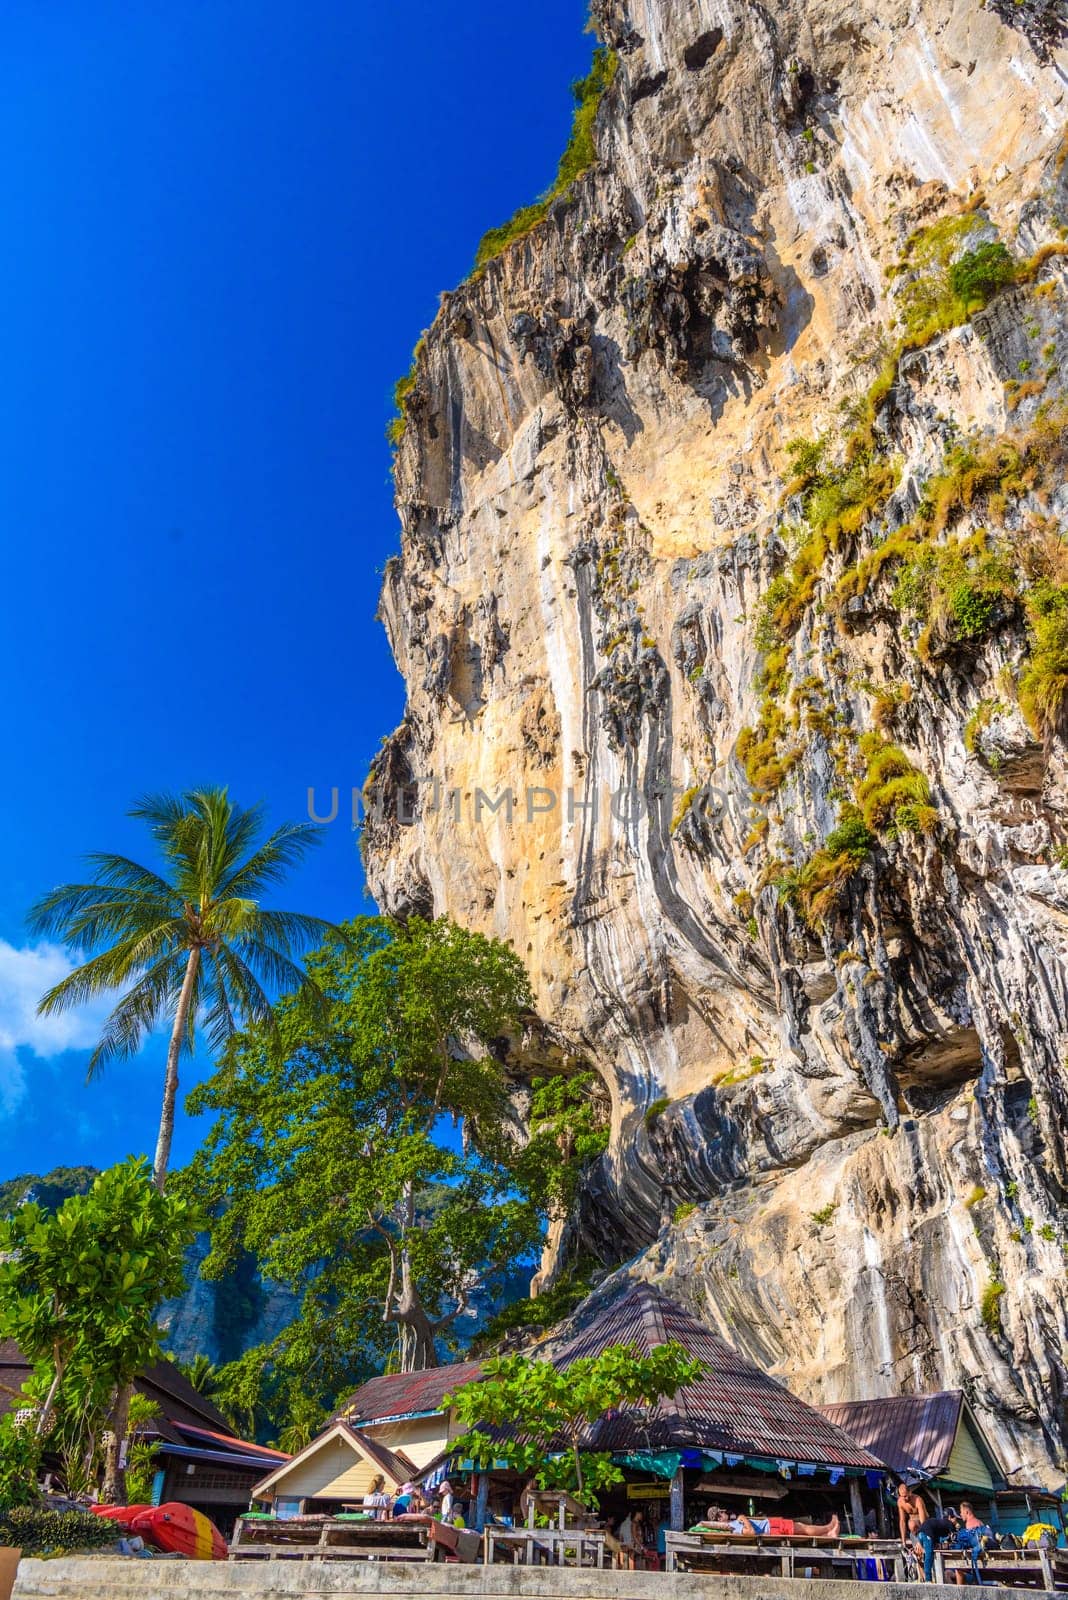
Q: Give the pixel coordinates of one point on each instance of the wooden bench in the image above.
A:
(782, 1553)
(550, 1547)
(329, 1538)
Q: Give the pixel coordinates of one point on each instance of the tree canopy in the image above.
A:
(79, 1288)
(369, 1156)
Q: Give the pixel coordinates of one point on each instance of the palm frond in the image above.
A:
(113, 967)
(235, 991)
(277, 855)
(152, 997)
(290, 931)
(121, 872)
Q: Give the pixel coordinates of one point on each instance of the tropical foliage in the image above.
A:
(79, 1290)
(367, 1156)
(535, 1415)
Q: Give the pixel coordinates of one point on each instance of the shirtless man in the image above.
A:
(911, 1511)
(785, 1527)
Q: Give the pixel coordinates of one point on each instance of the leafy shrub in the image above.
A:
(579, 154)
(540, 1311)
(38, 1532)
(815, 887)
(990, 1306)
(928, 303)
(852, 836)
(959, 589)
(894, 796)
(655, 1111)
(20, 1461)
(980, 273)
(1043, 686)
(684, 1209)
(824, 1215)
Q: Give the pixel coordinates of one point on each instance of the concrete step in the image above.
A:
(116, 1578)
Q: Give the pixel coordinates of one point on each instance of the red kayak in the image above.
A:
(123, 1515)
(181, 1531)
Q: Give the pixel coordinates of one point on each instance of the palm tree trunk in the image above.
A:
(114, 1473)
(170, 1082)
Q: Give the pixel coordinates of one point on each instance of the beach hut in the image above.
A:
(335, 1470)
(932, 1439)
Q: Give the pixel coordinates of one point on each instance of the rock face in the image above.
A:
(783, 851)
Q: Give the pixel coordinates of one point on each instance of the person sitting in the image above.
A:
(376, 1500)
(404, 1499)
(785, 1527)
(970, 1531)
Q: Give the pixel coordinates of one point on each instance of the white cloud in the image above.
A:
(25, 974)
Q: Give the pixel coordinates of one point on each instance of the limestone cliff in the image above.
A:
(814, 936)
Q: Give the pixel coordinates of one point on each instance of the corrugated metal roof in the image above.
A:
(404, 1394)
(733, 1406)
(912, 1433)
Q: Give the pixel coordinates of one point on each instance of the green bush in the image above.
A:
(654, 1112)
(852, 836)
(1043, 686)
(579, 154)
(979, 274)
(990, 1306)
(894, 796)
(38, 1532)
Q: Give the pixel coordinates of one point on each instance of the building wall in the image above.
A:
(421, 1438)
(336, 1471)
(966, 1464)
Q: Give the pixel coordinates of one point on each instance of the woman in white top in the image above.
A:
(376, 1499)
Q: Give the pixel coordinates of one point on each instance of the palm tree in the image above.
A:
(190, 943)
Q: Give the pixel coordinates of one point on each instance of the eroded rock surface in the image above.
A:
(839, 1098)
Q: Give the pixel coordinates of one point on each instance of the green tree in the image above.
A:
(79, 1290)
(190, 943)
(202, 1373)
(330, 1158)
(545, 1410)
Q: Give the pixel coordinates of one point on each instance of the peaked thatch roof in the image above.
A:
(733, 1407)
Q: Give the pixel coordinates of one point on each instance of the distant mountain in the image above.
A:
(49, 1191)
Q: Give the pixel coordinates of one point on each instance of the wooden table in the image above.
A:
(552, 1547)
(329, 1538)
(775, 1552)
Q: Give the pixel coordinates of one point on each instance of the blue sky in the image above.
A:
(226, 225)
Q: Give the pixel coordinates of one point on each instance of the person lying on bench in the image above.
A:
(785, 1527)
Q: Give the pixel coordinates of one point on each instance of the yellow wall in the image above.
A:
(966, 1464)
(421, 1439)
(336, 1471)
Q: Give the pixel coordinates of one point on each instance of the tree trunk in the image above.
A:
(114, 1490)
(416, 1330)
(170, 1082)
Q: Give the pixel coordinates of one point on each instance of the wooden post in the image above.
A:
(678, 1502)
(856, 1505)
(1047, 1567)
(481, 1500)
